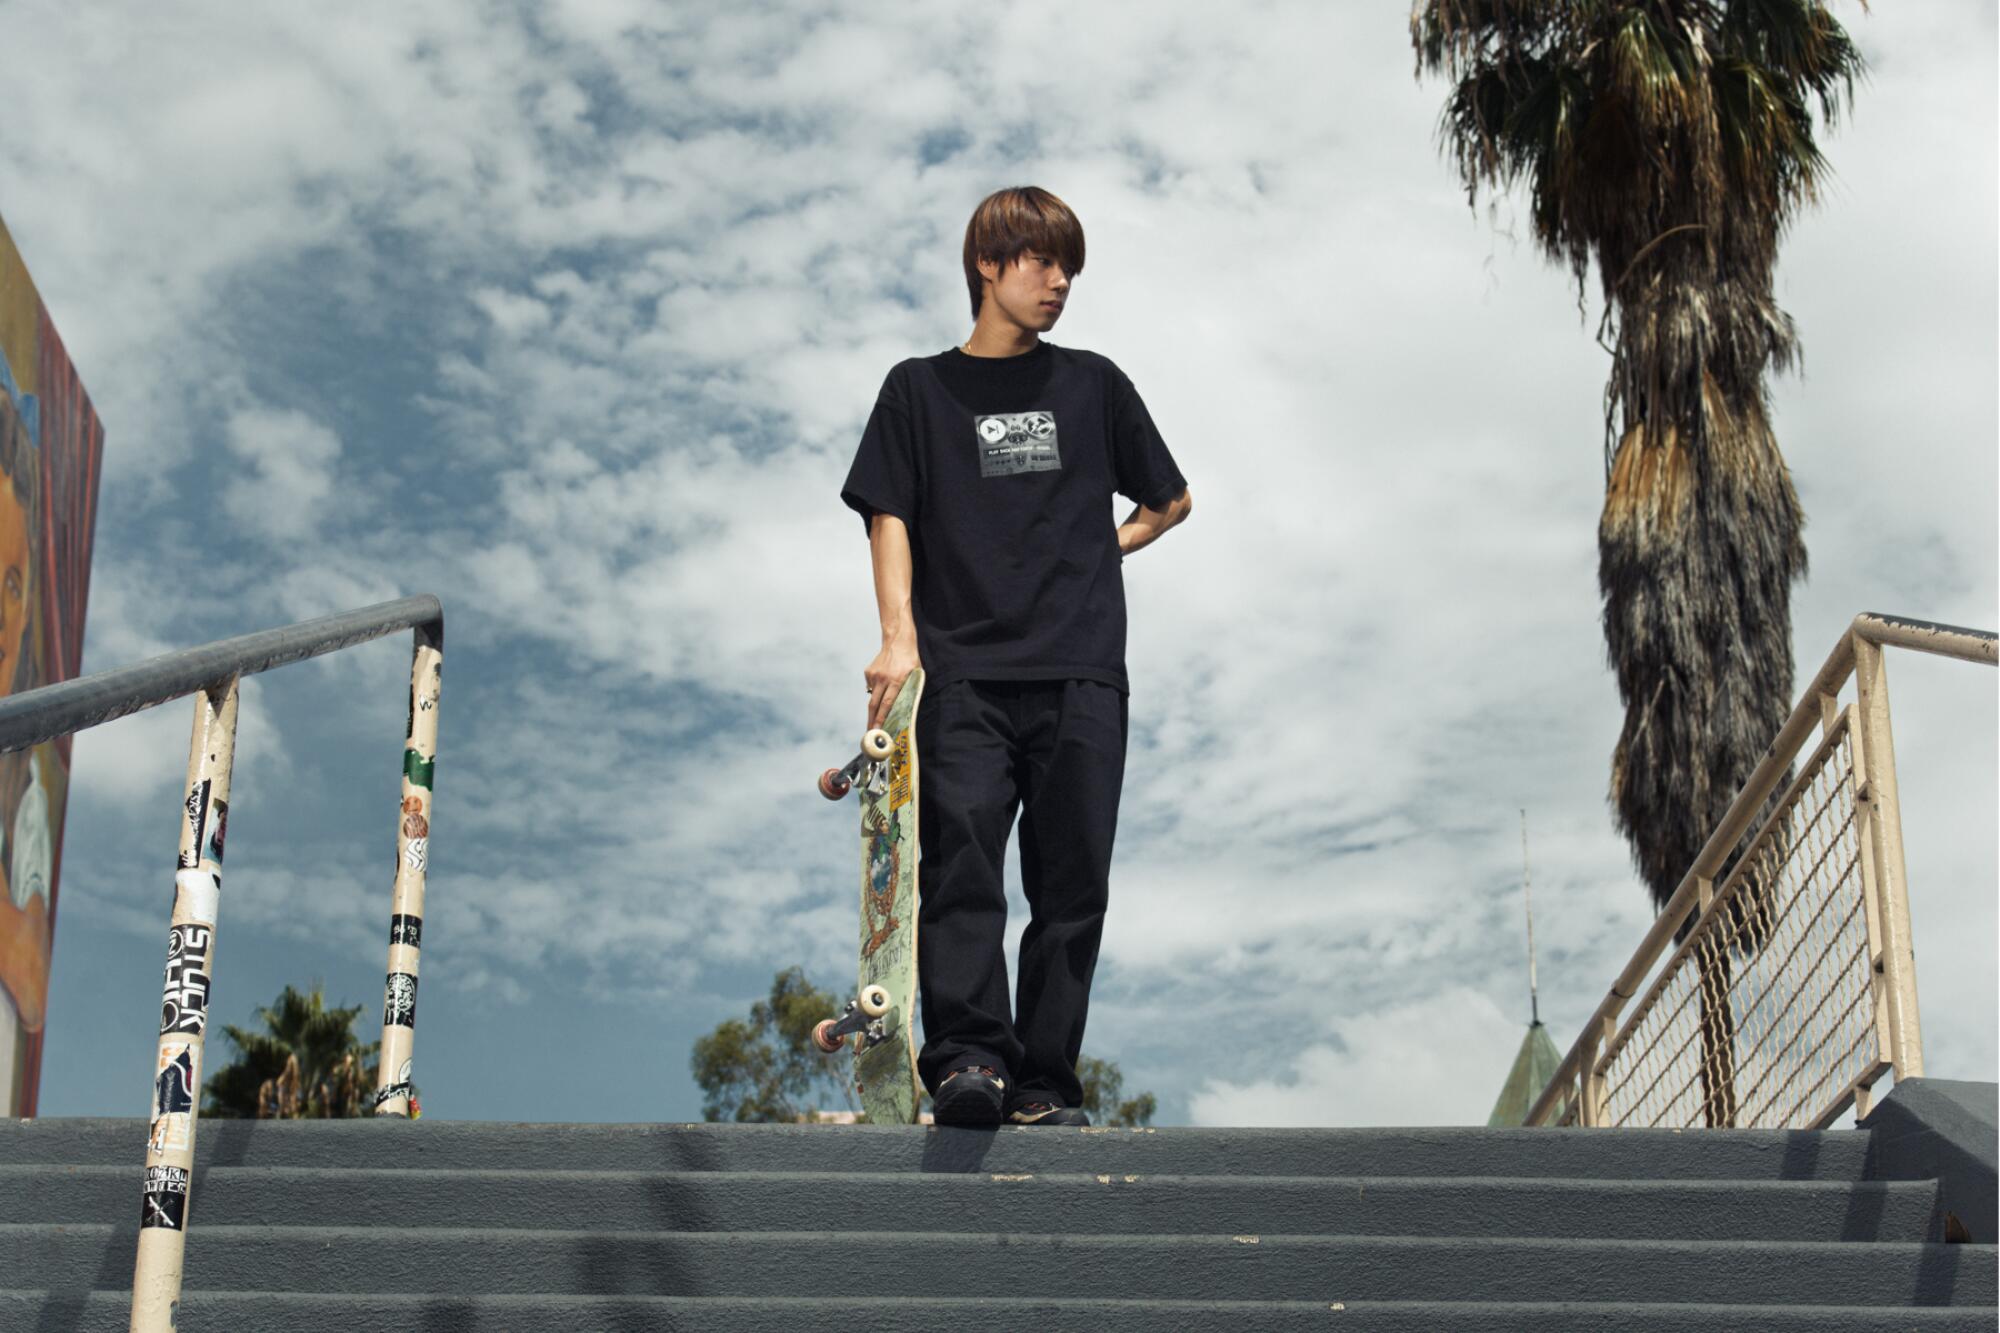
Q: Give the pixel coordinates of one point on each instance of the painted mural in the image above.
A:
(51, 444)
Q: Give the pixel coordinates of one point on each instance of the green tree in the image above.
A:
(1103, 1088)
(766, 1067)
(307, 1064)
(1669, 143)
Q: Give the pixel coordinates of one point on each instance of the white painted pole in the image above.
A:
(413, 843)
(166, 1207)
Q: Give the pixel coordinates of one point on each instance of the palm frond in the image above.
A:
(303, 1034)
(1767, 131)
(1452, 36)
(1802, 44)
(1648, 63)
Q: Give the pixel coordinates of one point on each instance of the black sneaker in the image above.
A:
(1047, 1113)
(969, 1095)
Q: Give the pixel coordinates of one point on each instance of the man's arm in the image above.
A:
(1146, 526)
(889, 550)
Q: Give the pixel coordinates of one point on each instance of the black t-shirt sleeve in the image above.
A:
(1145, 471)
(884, 478)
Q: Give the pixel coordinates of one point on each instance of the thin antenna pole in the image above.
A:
(1528, 892)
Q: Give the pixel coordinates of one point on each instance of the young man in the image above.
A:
(985, 476)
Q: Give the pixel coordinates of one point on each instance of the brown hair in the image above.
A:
(1012, 221)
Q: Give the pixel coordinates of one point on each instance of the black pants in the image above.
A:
(1053, 751)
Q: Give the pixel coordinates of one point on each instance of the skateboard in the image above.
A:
(878, 1020)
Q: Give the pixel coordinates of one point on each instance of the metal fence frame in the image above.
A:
(211, 673)
(1576, 1091)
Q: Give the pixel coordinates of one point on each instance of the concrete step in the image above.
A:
(1254, 1267)
(238, 1312)
(1580, 1154)
(1100, 1204)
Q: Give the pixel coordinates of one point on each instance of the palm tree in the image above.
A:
(1669, 142)
(307, 1064)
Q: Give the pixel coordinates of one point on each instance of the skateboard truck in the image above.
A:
(876, 746)
(866, 1014)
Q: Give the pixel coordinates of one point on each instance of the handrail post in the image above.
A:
(413, 831)
(1591, 1113)
(165, 1207)
(1880, 809)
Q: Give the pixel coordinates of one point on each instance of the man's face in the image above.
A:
(1028, 293)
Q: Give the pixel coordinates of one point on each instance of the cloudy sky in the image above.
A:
(572, 314)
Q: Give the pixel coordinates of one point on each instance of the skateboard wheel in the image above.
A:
(821, 1039)
(833, 786)
(874, 1001)
(877, 744)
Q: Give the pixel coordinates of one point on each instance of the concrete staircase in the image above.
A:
(464, 1226)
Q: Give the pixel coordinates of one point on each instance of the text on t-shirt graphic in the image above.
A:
(1014, 442)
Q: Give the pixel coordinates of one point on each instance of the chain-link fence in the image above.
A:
(1787, 987)
(1766, 1010)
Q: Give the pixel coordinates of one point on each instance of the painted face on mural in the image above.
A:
(14, 552)
(51, 445)
(24, 899)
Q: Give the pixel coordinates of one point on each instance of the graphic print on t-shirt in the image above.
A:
(1014, 442)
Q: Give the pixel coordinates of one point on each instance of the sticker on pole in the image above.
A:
(400, 1088)
(399, 1004)
(408, 930)
(172, 1121)
(220, 833)
(184, 998)
(166, 1198)
(197, 819)
(199, 893)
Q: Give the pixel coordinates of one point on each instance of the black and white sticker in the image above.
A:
(184, 998)
(406, 930)
(399, 1007)
(173, 1097)
(1011, 443)
(197, 818)
(166, 1198)
(400, 1088)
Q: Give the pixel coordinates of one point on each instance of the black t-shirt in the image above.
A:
(1003, 468)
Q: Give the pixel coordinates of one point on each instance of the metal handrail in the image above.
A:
(73, 705)
(211, 673)
(1858, 652)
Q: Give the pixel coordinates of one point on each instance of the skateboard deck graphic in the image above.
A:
(881, 1016)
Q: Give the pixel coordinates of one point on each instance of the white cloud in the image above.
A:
(1437, 1059)
(284, 471)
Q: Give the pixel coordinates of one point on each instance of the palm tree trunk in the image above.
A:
(1718, 1040)
(1697, 553)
